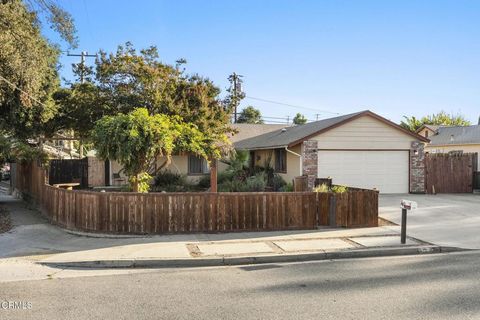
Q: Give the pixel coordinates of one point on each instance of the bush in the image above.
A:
(277, 182)
(287, 188)
(339, 189)
(256, 183)
(171, 182)
(321, 188)
(335, 189)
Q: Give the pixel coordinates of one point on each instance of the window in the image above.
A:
(197, 165)
(426, 133)
(281, 160)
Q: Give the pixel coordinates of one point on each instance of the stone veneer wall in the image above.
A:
(417, 167)
(310, 161)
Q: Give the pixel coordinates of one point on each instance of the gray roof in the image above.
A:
(456, 135)
(286, 136)
(248, 130)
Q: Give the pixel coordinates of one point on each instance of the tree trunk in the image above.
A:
(213, 175)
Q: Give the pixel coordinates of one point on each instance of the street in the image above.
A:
(443, 286)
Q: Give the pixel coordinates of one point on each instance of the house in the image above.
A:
(444, 139)
(193, 167)
(361, 149)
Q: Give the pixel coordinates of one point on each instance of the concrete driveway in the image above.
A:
(443, 219)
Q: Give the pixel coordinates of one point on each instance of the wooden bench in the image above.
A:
(68, 186)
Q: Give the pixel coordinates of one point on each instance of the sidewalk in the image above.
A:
(33, 238)
(215, 250)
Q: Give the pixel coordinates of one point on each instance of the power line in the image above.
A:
(25, 92)
(290, 105)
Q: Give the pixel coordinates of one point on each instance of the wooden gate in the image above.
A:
(450, 172)
(68, 171)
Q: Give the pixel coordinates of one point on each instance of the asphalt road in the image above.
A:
(442, 286)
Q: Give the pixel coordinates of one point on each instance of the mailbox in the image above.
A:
(408, 204)
(405, 205)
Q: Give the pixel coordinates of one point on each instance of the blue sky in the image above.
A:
(393, 57)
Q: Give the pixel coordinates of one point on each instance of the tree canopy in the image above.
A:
(250, 115)
(441, 118)
(122, 81)
(137, 139)
(28, 70)
(299, 119)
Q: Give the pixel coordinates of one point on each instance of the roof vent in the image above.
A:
(284, 129)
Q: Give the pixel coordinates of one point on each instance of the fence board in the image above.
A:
(121, 212)
(450, 172)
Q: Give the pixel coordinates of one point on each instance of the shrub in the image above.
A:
(171, 182)
(256, 183)
(321, 188)
(287, 188)
(335, 189)
(339, 189)
(277, 182)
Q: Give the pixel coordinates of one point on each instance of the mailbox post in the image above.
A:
(405, 205)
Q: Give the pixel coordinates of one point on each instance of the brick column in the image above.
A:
(310, 161)
(417, 167)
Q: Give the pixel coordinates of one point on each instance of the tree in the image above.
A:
(127, 79)
(299, 119)
(250, 115)
(28, 72)
(441, 118)
(137, 139)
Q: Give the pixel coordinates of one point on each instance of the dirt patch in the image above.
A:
(384, 222)
(5, 221)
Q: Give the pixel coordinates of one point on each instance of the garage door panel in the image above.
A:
(386, 171)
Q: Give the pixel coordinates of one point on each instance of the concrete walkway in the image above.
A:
(33, 242)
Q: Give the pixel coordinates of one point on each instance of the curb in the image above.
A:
(234, 261)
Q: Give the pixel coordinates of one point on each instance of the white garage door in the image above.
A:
(386, 171)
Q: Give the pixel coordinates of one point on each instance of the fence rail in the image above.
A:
(120, 212)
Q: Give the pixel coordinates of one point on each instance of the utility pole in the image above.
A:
(317, 115)
(236, 81)
(82, 55)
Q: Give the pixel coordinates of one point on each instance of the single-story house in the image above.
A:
(361, 149)
(192, 166)
(444, 139)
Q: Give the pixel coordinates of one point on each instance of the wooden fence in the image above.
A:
(69, 170)
(122, 212)
(450, 172)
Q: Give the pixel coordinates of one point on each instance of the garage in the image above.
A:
(386, 170)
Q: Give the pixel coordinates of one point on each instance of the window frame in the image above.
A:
(204, 168)
(280, 166)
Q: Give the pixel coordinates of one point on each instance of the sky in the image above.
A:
(395, 58)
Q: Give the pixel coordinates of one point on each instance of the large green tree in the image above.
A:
(128, 78)
(250, 115)
(28, 67)
(137, 139)
(441, 118)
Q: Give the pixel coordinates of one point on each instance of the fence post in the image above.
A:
(332, 211)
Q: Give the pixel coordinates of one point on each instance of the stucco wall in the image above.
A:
(470, 148)
(364, 133)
